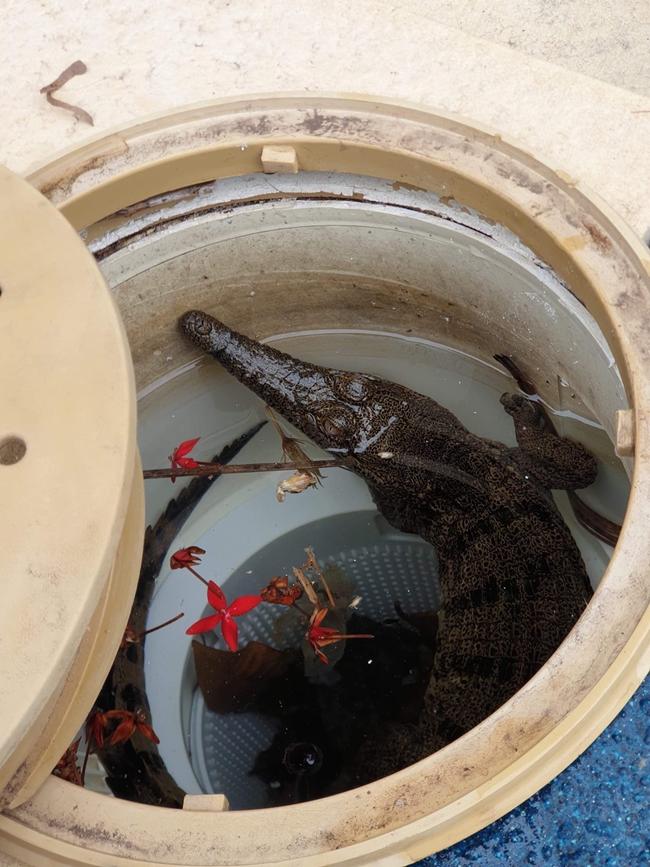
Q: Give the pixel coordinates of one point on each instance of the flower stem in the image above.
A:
(206, 469)
(161, 625)
(196, 574)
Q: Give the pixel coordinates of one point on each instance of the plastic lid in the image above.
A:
(67, 459)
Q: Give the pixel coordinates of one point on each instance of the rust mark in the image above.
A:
(597, 235)
(403, 185)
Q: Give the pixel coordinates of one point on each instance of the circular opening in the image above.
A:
(12, 450)
(348, 273)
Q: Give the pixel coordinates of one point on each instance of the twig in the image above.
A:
(167, 622)
(307, 586)
(89, 740)
(313, 563)
(224, 469)
(76, 68)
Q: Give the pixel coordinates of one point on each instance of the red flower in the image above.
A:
(130, 721)
(322, 636)
(224, 615)
(179, 459)
(185, 557)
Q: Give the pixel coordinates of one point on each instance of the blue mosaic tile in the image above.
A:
(595, 814)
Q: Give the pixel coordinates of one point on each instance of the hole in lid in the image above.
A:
(12, 450)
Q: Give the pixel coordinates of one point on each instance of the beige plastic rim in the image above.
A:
(538, 732)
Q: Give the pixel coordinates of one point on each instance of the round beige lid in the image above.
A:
(67, 459)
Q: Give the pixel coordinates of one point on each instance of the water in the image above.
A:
(249, 537)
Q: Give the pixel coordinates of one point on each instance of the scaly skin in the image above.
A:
(512, 579)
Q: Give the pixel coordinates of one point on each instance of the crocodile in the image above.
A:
(512, 580)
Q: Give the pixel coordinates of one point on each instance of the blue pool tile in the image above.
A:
(595, 814)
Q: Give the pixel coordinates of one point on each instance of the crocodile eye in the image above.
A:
(334, 428)
(336, 422)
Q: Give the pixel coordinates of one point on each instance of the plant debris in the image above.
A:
(236, 681)
(76, 68)
(296, 484)
(307, 475)
(132, 636)
(67, 768)
(135, 770)
(278, 592)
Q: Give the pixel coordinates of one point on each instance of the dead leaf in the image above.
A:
(296, 484)
(232, 681)
(76, 68)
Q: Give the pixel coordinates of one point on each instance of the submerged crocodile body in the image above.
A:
(512, 580)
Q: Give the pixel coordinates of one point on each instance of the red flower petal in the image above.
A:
(205, 624)
(185, 463)
(320, 633)
(230, 632)
(243, 604)
(148, 732)
(123, 732)
(95, 730)
(184, 448)
(216, 596)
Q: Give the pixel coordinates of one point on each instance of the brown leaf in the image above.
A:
(232, 681)
(76, 68)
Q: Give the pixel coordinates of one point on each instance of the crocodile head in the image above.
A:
(345, 413)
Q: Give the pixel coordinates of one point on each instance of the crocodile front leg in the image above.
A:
(555, 462)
